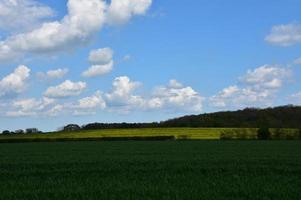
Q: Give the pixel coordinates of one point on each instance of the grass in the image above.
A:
(168, 170)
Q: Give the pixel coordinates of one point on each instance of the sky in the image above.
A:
(84, 61)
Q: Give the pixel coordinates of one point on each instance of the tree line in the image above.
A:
(21, 131)
(278, 117)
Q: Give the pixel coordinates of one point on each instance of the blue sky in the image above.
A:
(82, 61)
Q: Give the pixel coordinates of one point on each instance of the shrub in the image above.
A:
(278, 133)
(241, 134)
(264, 133)
(226, 135)
(183, 137)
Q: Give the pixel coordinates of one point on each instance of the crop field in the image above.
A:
(209, 169)
(180, 133)
(175, 133)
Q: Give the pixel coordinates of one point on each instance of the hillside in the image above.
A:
(278, 117)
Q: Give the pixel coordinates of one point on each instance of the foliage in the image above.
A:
(170, 170)
(6, 132)
(238, 133)
(278, 117)
(264, 133)
(71, 127)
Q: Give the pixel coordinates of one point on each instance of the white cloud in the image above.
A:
(101, 61)
(101, 56)
(55, 110)
(6, 52)
(121, 95)
(89, 105)
(15, 83)
(121, 99)
(297, 61)
(93, 102)
(33, 104)
(120, 11)
(66, 89)
(173, 97)
(20, 15)
(84, 19)
(176, 97)
(175, 84)
(257, 87)
(56, 74)
(98, 70)
(266, 76)
(53, 74)
(285, 35)
(30, 107)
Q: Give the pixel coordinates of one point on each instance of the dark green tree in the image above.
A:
(263, 133)
(6, 132)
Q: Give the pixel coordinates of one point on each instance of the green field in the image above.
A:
(187, 133)
(151, 170)
(176, 133)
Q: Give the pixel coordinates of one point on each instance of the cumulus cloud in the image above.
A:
(98, 70)
(30, 107)
(257, 87)
(55, 110)
(93, 102)
(266, 76)
(89, 105)
(84, 19)
(120, 11)
(175, 84)
(285, 35)
(15, 83)
(66, 89)
(176, 97)
(101, 61)
(173, 97)
(101, 56)
(122, 94)
(123, 98)
(53, 74)
(22, 15)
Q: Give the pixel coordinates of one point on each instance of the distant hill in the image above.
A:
(278, 117)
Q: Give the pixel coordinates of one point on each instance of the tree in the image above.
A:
(32, 130)
(71, 127)
(6, 132)
(20, 131)
(264, 133)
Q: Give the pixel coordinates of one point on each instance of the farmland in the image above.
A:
(188, 133)
(147, 133)
(151, 170)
